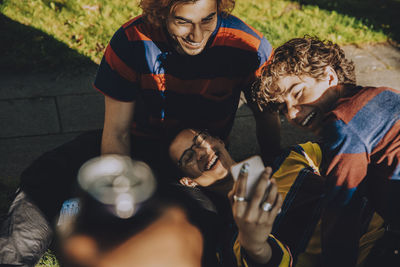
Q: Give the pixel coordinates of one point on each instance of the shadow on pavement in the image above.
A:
(382, 14)
(25, 49)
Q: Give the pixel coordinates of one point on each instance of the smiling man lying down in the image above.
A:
(205, 165)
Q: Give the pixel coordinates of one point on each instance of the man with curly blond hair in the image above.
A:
(179, 64)
(313, 84)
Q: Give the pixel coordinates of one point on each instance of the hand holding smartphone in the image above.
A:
(256, 167)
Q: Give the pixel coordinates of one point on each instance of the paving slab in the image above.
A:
(243, 109)
(386, 53)
(365, 62)
(81, 112)
(243, 140)
(376, 65)
(56, 83)
(26, 117)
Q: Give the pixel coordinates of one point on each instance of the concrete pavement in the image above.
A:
(40, 111)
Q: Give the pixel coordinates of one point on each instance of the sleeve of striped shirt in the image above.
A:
(116, 77)
(281, 256)
(264, 53)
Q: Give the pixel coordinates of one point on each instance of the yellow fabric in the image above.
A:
(237, 253)
(294, 163)
(286, 257)
(367, 241)
(285, 177)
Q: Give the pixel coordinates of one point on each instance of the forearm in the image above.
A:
(268, 135)
(117, 127)
(113, 143)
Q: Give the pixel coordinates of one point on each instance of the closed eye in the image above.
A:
(209, 18)
(188, 159)
(298, 94)
(182, 22)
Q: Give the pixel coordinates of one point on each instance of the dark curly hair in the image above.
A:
(301, 56)
(156, 11)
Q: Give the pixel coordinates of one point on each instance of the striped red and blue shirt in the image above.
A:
(363, 134)
(173, 90)
(361, 143)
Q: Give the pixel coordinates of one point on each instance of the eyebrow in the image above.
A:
(203, 19)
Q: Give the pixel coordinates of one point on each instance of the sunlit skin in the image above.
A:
(308, 98)
(191, 24)
(171, 240)
(198, 169)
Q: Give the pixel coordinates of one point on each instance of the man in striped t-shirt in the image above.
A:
(181, 64)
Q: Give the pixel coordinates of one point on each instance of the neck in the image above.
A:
(222, 186)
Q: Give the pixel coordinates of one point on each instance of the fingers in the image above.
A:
(239, 191)
(242, 181)
(273, 192)
(264, 204)
(277, 207)
(275, 202)
(253, 211)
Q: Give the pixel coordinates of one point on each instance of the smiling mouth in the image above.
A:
(211, 163)
(192, 44)
(308, 119)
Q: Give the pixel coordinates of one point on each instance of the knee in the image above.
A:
(25, 234)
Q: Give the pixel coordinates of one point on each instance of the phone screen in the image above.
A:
(256, 167)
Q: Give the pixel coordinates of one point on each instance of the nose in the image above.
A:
(292, 111)
(201, 151)
(196, 34)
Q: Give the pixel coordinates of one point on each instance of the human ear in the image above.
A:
(331, 76)
(220, 141)
(186, 181)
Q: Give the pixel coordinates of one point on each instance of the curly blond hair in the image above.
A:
(156, 11)
(301, 56)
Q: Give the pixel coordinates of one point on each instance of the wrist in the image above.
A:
(260, 254)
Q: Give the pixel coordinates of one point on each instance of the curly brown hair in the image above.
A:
(156, 11)
(301, 56)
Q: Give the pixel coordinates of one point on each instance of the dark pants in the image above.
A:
(46, 184)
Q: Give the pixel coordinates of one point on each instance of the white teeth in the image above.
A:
(308, 118)
(211, 162)
(193, 44)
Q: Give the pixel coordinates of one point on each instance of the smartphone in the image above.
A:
(256, 167)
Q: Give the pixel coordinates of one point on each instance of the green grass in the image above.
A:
(280, 21)
(84, 27)
(48, 260)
